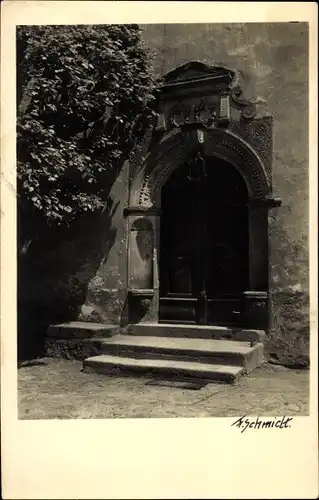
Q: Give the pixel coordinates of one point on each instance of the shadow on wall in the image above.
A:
(141, 254)
(136, 306)
(54, 274)
(144, 239)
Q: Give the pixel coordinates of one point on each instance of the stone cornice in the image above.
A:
(140, 210)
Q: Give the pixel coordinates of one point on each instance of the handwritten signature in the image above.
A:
(244, 423)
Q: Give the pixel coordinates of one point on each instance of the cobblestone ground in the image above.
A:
(51, 388)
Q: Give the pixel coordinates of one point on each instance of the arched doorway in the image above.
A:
(204, 243)
(239, 164)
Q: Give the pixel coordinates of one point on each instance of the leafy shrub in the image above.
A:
(84, 97)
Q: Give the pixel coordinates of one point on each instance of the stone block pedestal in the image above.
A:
(255, 310)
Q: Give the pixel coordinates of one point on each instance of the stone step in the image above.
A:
(115, 365)
(195, 331)
(81, 330)
(178, 330)
(205, 351)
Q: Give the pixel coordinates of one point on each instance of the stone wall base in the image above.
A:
(78, 349)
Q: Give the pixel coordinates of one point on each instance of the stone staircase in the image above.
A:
(179, 352)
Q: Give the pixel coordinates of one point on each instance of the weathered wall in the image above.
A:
(106, 296)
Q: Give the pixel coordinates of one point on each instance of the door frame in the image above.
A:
(145, 202)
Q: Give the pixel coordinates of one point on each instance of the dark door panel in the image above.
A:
(224, 311)
(204, 243)
(178, 310)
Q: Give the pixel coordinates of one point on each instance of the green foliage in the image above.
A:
(84, 97)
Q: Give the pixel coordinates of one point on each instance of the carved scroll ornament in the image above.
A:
(248, 109)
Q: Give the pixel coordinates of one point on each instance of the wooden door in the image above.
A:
(204, 244)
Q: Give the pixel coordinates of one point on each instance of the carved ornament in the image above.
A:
(248, 109)
(189, 114)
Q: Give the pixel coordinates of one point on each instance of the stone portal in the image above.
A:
(198, 209)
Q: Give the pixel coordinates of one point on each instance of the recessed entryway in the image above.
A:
(204, 248)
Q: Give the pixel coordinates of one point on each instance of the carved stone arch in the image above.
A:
(170, 152)
(175, 149)
(232, 148)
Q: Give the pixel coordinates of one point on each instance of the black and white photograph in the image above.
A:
(162, 177)
(159, 249)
